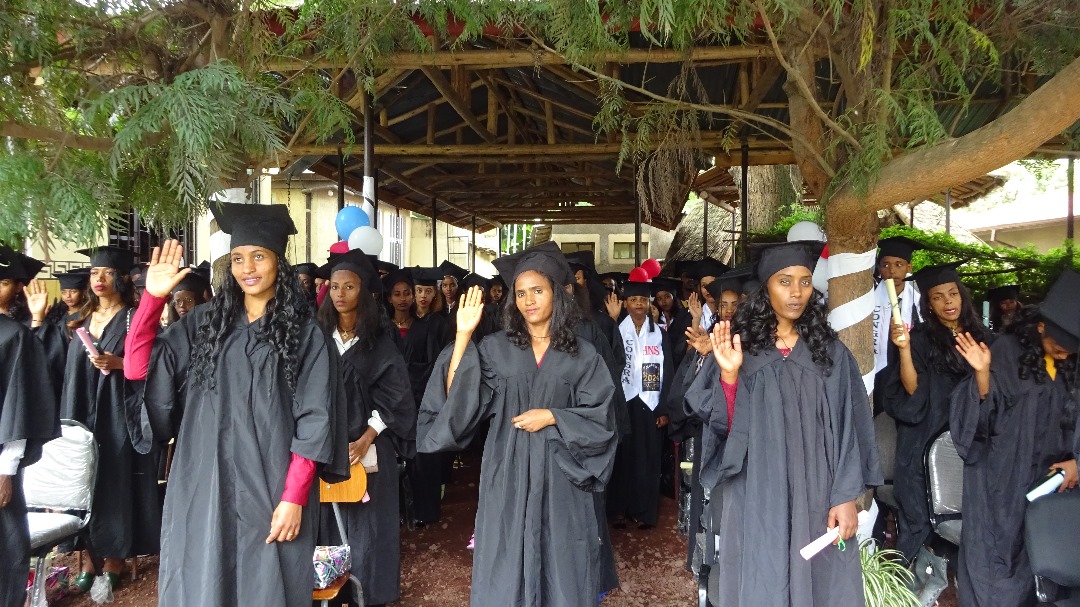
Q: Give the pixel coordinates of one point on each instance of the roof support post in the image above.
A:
(637, 235)
(341, 182)
(370, 188)
(472, 262)
(434, 231)
(745, 208)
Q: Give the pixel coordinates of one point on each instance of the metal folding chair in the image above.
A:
(349, 491)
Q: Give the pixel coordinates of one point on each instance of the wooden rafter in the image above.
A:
(460, 105)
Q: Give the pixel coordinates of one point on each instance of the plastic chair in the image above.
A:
(1052, 538)
(885, 432)
(945, 487)
(59, 490)
(349, 491)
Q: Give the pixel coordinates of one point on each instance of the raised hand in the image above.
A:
(694, 305)
(975, 353)
(614, 306)
(165, 272)
(37, 299)
(470, 310)
(727, 349)
(698, 339)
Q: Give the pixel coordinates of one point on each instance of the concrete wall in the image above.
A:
(1043, 236)
(604, 238)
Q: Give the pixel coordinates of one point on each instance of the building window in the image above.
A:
(574, 247)
(625, 250)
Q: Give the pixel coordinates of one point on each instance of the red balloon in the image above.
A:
(639, 275)
(652, 267)
(342, 246)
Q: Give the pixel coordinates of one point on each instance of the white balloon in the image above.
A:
(367, 239)
(805, 230)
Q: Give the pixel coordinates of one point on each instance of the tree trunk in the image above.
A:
(770, 190)
(853, 233)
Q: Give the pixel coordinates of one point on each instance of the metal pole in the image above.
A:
(745, 208)
(434, 231)
(369, 159)
(948, 210)
(341, 181)
(473, 261)
(1071, 174)
(637, 236)
(499, 241)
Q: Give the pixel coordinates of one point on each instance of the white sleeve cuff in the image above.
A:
(375, 422)
(10, 457)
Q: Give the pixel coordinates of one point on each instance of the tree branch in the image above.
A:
(803, 87)
(915, 175)
(9, 128)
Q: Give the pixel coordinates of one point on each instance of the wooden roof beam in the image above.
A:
(457, 102)
(509, 58)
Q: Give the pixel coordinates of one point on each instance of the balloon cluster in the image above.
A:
(648, 270)
(354, 229)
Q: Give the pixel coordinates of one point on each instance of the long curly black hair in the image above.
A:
(943, 355)
(121, 284)
(19, 309)
(755, 320)
(285, 316)
(369, 322)
(564, 316)
(1032, 363)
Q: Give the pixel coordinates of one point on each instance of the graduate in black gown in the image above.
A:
(127, 511)
(645, 379)
(1012, 420)
(382, 416)
(928, 368)
(28, 419)
(789, 398)
(1005, 307)
(16, 270)
(73, 287)
(250, 389)
(551, 444)
(420, 340)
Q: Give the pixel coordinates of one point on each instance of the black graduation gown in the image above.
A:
(537, 545)
(635, 484)
(685, 428)
(127, 506)
(28, 411)
(802, 442)
(676, 331)
(1007, 441)
(420, 347)
(376, 380)
(54, 338)
(920, 418)
(233, 449)
(589, 331)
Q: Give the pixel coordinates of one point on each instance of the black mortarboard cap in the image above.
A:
(73, 280)
(682, 265)
(450, 268)
(898, 246)
(998, 294)
(18, 266)
(582, 260)
(929, 277)
(427, 277)
(671, 285)
(193, 282)
(475, 280)
(261, 225)
(382, 267)
(121, 260)
(750, 286)
(730, 281)
(400, 275)
(776, 257)
(497, 280)
(618, 277)
(1060, 316)
(357, 262)
(545, 258)
(306, 268)
(633, 288)
(203, 269)
(708, 267)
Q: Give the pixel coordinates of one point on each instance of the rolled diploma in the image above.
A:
(1049, 486)
(897, 319)
(823, 542)
(88, 343)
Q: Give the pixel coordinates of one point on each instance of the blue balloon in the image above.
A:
(348, 219)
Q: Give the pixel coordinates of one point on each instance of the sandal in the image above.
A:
(114, 579)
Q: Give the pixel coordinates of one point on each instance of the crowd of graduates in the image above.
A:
(575, 385)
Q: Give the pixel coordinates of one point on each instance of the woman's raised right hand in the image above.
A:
(164, 272)
(470, 310)
(727, 349)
